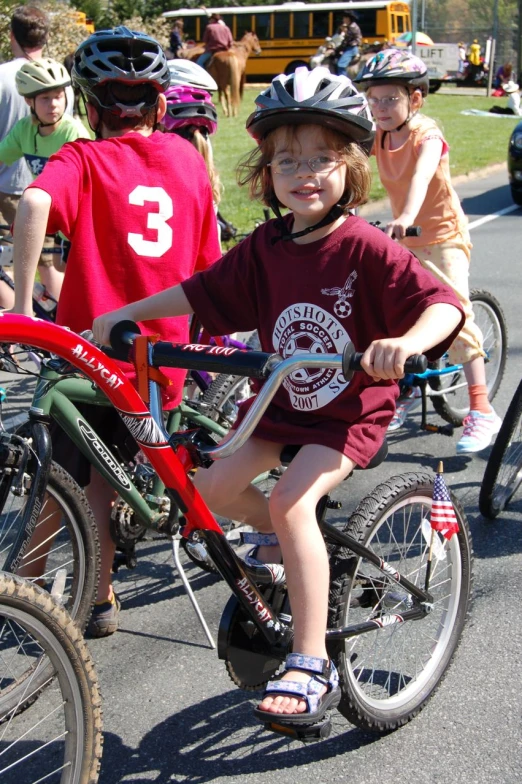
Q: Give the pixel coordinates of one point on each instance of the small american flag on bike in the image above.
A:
(443, 517)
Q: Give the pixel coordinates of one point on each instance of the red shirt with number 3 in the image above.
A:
(139, 213)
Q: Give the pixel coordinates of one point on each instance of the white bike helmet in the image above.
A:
(39, 76)
(316, 96)
(188, 73)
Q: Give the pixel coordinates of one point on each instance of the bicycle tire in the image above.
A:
(503, 473)
(219, 401)
(60, 738)
(75, 545)
(385, 680)
(454, 406)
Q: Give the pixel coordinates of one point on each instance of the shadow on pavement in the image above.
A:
(219, 738)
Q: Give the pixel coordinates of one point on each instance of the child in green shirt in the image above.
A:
(42, 83)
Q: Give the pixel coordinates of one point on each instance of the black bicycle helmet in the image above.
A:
(394, 66)
(119, 55)
(314, 97)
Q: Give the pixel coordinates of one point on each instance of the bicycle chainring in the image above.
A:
(248, 660)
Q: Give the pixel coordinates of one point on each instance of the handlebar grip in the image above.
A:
(417, 363)
(414, 231)
(122, 337)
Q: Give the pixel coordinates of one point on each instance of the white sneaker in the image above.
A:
(478, 433)
(406, 403)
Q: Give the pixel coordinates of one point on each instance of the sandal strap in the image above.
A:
(259, 539)
(311, 690)
(313, 664)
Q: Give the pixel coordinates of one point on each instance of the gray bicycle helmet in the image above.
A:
(394, 66)
(313, 97)
(119, 55)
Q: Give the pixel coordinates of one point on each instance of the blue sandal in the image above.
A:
(263, 573)
(322, 673)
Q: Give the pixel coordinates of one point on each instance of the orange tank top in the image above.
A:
(441, 217)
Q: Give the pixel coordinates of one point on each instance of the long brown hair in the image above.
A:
(254, 170)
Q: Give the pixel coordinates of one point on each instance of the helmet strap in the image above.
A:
(42, 124)
(332, 215)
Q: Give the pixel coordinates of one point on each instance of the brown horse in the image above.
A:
(228, 69)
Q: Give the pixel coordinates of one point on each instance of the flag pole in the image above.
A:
(440, 470)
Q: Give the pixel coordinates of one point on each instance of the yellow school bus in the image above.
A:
(82, 19)
(290, 33)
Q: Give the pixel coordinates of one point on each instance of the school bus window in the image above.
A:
(282, 25)
(243, 25)
(320, 21)
(263, 27)
(367, 21)
(189, 27)
(301, 25)
(400, 24)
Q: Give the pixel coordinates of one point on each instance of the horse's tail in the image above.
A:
(235, 83)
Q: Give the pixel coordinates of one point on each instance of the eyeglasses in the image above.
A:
(320, 164)
(388, 100)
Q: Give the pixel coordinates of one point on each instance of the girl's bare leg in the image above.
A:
(101, 497)
(313, 473)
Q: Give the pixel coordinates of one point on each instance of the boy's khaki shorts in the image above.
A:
(8, 206)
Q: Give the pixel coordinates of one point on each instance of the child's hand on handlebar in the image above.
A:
(396, 229)
(102, 325)
(384, 359)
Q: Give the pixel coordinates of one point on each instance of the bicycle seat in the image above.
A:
(289, 452)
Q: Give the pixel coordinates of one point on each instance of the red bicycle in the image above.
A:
(399, 593)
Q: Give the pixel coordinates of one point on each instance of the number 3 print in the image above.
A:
(155, 220)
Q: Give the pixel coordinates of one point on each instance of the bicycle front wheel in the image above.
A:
(62, 544)
(59, 740)
(503, 473)
(453, 404)
(388, 675)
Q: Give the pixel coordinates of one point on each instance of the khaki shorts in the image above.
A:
(8, 206)
(449, 262)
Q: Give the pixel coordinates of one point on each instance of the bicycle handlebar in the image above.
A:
(411, 231)
(271, 367)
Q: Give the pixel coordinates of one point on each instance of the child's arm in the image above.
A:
(168, 303)
(385, 358)
(29, 234)
(427, 162)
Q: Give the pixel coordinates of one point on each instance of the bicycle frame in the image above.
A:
(172, 468)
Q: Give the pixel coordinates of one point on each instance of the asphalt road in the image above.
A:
(173, 715)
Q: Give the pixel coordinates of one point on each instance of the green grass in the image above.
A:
(474, 142)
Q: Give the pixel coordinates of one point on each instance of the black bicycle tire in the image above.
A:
(490, 504)
(219, 391)
(85, 544)
(39, 615)
(440, 403)
(363, 524)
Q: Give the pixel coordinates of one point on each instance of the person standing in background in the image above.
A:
(176, 44)
(29, 32)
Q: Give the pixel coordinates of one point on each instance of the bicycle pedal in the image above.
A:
(306, 733)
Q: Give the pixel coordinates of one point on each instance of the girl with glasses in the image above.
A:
(309, 282)
(413, 162)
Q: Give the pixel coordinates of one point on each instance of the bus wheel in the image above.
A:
(291, 67)
(435, 85)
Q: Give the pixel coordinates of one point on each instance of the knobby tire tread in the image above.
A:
(24, 596)
(343, 566)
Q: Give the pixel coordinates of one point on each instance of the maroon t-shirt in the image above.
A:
(355, 284)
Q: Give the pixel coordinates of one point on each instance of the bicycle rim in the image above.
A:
(72, 544)
(454, 404)
(59, 739)
(388, 675)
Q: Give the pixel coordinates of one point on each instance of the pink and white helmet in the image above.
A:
(318, 97)
(395, 66)
(187, 105)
